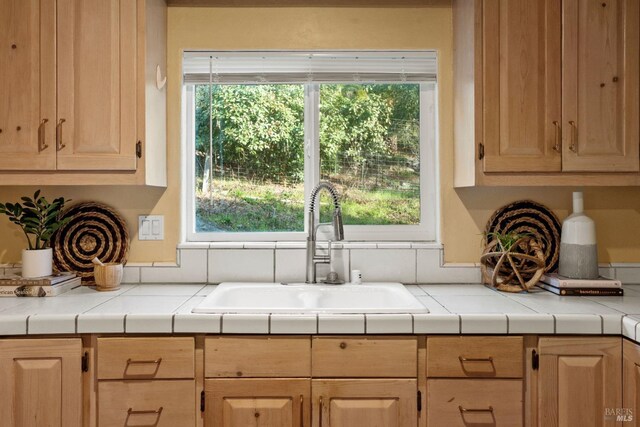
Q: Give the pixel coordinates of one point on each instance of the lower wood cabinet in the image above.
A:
(364, 402)
(40, 382)
(579, 381)
(630, 410)
(158, 403)
(272, 402)
(464, 402)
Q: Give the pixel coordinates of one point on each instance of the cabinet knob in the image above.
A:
(343, 345)
(14, 46)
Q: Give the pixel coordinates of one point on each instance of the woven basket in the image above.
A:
(94, 230)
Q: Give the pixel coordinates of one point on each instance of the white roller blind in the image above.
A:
(311, 67)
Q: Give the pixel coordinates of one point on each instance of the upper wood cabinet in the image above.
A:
(96, 127)
(42, 382)
(578, 380)
(27, 85)
(546, 92)
(93, 113)
(600, 78)
(521, 102)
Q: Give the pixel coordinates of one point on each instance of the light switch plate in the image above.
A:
(151, 227)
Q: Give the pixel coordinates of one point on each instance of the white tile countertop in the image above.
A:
(454, 309)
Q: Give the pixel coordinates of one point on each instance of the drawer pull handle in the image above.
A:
(320, 412)
(158, 411)
(156, 361)
(464, 410)
(478, 359)
(301, 411)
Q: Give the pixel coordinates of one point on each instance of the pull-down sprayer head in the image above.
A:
(338, 227)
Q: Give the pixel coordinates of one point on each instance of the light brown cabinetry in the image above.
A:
(41, 382)
(158, 403)
(578, 380)
(364, 402)
(631, 383)
(262, 381)
(27, 85)
(474, 402)
(96, 125)
(82, 104)
(335, 357)
(146, 381)
(330, 381)
(600, 82)
(475, 380)
(546, 92)
(521, 101)
(264, 402)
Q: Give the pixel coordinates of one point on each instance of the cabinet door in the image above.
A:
(579, 381)
(631, 379)
(96, 127)
(44, 382)
(522, 76)
(600, 85)
(364, 403)
(27, 85)
(269, 402)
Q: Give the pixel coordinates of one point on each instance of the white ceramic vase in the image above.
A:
(36, 262)
(578, 249)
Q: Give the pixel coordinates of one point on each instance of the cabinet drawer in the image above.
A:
(474, 402)
(155, 403)
(145, 358)
(259, 356)
(371, 357)
(468, 357)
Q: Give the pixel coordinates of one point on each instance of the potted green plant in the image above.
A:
(38, 219)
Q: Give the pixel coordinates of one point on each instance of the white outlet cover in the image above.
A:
(151, 227)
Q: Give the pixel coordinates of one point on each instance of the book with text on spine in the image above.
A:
(17, 280)
(561, 282)
(593, 292)
(38, 290)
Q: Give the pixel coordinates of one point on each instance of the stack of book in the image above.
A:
(581, 287)
(49, 286)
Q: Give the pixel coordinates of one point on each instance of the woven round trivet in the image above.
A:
(529, 217)
(95, 230)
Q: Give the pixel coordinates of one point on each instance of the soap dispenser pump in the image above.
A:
(578, 248)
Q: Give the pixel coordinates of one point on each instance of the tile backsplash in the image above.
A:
(285, 262)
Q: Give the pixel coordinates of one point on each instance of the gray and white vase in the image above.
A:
(578, 248)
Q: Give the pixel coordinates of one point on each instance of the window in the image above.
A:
(262, 129)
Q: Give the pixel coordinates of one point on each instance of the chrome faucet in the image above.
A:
(314, 259)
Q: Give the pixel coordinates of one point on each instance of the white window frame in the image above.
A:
(426, 230)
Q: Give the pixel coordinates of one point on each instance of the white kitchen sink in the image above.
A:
(240, 297)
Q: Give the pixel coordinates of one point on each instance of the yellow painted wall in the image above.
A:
(464, 212)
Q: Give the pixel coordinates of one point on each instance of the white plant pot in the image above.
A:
(36, 262)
